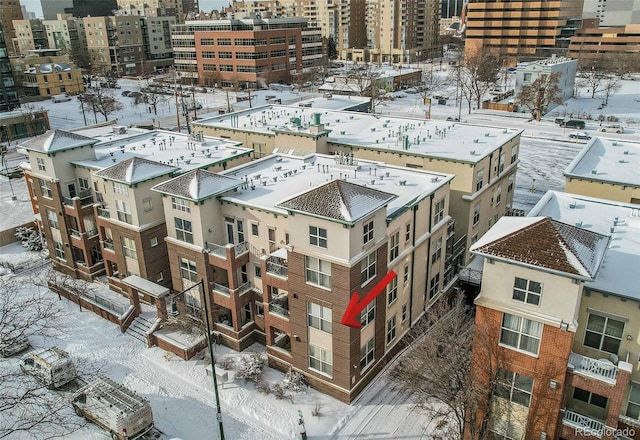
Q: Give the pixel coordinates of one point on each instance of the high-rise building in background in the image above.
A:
(94, 8)
(9, 10)
(51, 8)
(613, 13)
(452, 8)
(7, 83)
(159, 8)
(381, 31)
(522, 31)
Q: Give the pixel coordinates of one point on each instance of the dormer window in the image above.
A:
(527, 291)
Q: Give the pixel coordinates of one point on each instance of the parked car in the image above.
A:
(60, 98)
(116, 409)
(191, 107)
(11, 345)
(126, 93)
(574, 123)
(612, 128)
(134, 94)
(52, 366)
(579, 135)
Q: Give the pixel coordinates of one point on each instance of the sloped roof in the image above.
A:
(198, 185)
(134, 170)
(339, 200)
(545, 243)
(57, 140)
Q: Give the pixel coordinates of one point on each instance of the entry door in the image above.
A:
(231, 233)
(71, 187)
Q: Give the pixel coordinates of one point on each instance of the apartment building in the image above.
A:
(606, 168)
(92, 191)
(49, 79)
(10, 10)
(521, 31)
(528, 72)
(616, 13)
(159, 8)
(245, 53)
(371, 31)
(8, 90)
(29, 35)
(593, 41)
(558, 306)
(483, 159)
(18, 124)
(283, 241)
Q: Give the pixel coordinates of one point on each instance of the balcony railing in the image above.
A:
(221, 251)
(85, 197)
(599, 369)
(241, 248)
(219, 288)
(104, 213)
(108, 244)
(244, 288)
(278, 309)
(92, 233)
(278, 266)
(74, 233)
(572, 418)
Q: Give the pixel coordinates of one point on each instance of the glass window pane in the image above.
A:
(595, 323)
(614, 328)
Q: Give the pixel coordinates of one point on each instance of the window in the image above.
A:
(207, 42)
(394, 246)
(439, 211)
(318, 272)
(257, 270)
(124, 211)
(527, 291)
(180, 205)
(521, 333)
(129, 248)
(319, 317)
(476, 213)
(391, 329)
(367, 352)
(271, 234)
(147, 205)
(510, 184)
(406, 274)
(590, 398)
(259, 309)
(368, 314)
(45, 189)
(392, 290)
(407, 232)
(368, 268)
(320, 360)
(498, 195)
(514, 387)
(633, 408)
(479, 179)
(41, 165)
(317, 236)
(434, 286)
(120, 188)
(603, 333)
(527, 77)
(501, 163)
(437, 250)
(59, 250)
(367, 232)
(154, 241)
(188, 272)
(184, 230)
(404, 312)
(514, 154)
(254, 229)
(83, 183)
(53, 219)
(224, 41)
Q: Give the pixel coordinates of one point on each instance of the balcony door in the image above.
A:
(235, 230)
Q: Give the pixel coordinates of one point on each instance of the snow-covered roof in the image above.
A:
(545, 243)
(54, 141)
(438, 139)
(271, 181)
(607, 160)
(135, 170)
(339, 200)
(198, 185)
(184, 152)
(618, 274)
(335, 102)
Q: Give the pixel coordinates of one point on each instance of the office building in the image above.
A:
(160, 8)
(51, 8)
(7, 82)
(9, 10)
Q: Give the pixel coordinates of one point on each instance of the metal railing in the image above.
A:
(596, 427)
(280, 270)
(216, 249)
(92, 232)
(219, 288)
(471, 276)
(104, 213)
(601, 369)
(244, 288)
(74, 233)
(274, 307)
(108, 244)
(241, 248)
(104, 303)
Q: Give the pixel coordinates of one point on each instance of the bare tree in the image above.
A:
(479, 72)
(432, 84)
(592, 73)
(610, 85)
(366, 81)
(537, 96)
(152, 94)
(101, 101)
(27, 408)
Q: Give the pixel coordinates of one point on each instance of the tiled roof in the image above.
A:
(339, 200)
(548, 244)
(134, 170)
(198, 185)
(57, 140)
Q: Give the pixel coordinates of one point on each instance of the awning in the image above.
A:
(280, 253)
(145, 286)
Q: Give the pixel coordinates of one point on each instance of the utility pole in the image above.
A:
(175, 93)
(228, 105)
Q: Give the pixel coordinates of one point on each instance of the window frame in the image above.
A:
(394, 245)
(316, 238)
(368, 268)
(632, 403)
(367, 354)
(603, 333)
(183, 233)
(509, 386)
(391, 329)
(520, 332)
(438, 210)
(324, 359)
(392, 291)
(437, 250)
(367, 231)
(319, 317)
(368, 315)
(323, 278)
(127, 250)
(180, 204)
(525, 291)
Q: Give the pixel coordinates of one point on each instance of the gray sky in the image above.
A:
(205, 5)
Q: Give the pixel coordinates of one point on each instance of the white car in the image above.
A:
(579, 135)
(613, 128)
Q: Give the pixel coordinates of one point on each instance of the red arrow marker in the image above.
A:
(356, 305)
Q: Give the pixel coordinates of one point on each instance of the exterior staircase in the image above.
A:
(139, 328)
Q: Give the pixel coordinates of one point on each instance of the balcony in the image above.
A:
(108, 245)
(600, 369)
(104, 213)
(221, 251)
(280, 306)
(92, 233)
(74, 233)
(587, 425)
(85, 198)
(219, 288)
(278, 267)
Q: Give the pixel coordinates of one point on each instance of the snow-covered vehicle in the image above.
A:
(52, 366)
(10, 344)
(114, 408)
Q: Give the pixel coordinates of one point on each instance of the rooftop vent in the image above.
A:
(594, 171)
(572, 205)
